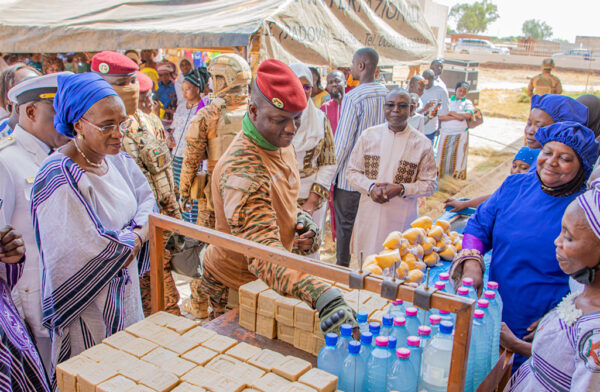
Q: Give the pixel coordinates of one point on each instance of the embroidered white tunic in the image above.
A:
(382, 156)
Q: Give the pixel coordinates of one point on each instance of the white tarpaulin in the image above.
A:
(320, 32)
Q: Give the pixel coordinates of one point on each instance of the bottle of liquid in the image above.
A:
(345, 338)
(436, 360)
(413, 343)
(496, 314)
(397, 309)
(374, 328)
(447, 316)
(366, 348)
(434, 324)
(493, 286)
(362, 319)
(468, 283)
(329, 359)
(399, 330)
(387, 322)
(392, 345)
(412, 321)
(463, 292)
(377, 366)
(353, 373)
(401, 377)
(424, 336)
(478, 352)
(445, 277)
(488, 321)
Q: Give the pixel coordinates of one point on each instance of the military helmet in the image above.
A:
(231, 67)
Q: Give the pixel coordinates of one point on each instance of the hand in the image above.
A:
(310, 204)
(304, 241)
(12, 246)
(171, 144)
(511, 342)
(137, 245)
(334, 311)
(471, 269)
(531, 329)
(458, 205)
(378, 194)
(429, 105)
(393, 190)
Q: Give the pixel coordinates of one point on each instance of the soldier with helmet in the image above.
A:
(546, 82)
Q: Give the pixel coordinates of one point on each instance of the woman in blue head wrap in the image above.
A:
(520, 222)
(90, 205)
(549, 109)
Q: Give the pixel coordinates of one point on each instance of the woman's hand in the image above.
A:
(137, 245)
(472, 269)
(511, 342)
(531, 329)
(12, 246)
(457, 205)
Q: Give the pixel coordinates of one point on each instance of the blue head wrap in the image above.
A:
(527, 155)
(75, 95)
(578, 137)
(561, 108)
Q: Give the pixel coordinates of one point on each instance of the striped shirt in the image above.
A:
(362, 108)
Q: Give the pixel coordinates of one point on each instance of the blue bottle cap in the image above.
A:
(387, 320)
(330, 339)
(392, 341)
(366, 337)
(362, 316)
(446, 327)
(346, 330)
(374, 327)
(354, 347)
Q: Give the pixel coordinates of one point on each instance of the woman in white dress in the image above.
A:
(90, 207)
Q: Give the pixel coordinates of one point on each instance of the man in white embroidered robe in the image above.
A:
(392, 165)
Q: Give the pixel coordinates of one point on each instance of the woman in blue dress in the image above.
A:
(520, 222)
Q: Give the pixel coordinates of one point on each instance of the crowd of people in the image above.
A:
(89, 152)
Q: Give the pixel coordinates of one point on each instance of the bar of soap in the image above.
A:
(181, 324)
(161, 318)
(223, 364)
(118, 360)
(199, 334)
(144, 329)
(266, 326)
(223, 383)
(243, 351)
(139, 388)
(180, 344)
(319, 342)
(320, 380)
(158, 356)
(285, 333)
(67, 371)
(99, 352)
(177, 366)
(284, 311)
(160, 381)
(292, 368)
(376, 317)
(266, 359)
(271, 382)
(304, 317)
(162, 336)
(304, 340)
(90, 376)
(187, 387)
(377, 301)
(115, 384)
(139, 347)
(138, 370)
(200, 376)
(119, 339)
(200, 355)
(248, 373)
(247, 319)
(248, 294)
(220, 343)
(267, 303)
(299, 387)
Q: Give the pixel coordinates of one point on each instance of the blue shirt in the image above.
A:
(361, 108)
(166, 94)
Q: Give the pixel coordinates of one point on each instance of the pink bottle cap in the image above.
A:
(478, 314)
(489, 294)
(381, 341)
(424, 330)
(411, 311)
(444, 276)
(413, 341)
(440, 285)
(399, 321)
(444, 312)
(398, 302)
(468, 282)
(483, 303)
(403, 353)
(462, 290)
(492, 285)
(435, 319)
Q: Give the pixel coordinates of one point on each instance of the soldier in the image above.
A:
(210, 132)
(545, 83)
(145, 143)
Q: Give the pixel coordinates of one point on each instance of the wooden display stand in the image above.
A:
(463, 307)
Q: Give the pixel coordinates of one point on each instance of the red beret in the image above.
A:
(280, 86)
(112, 64)
(144, 81)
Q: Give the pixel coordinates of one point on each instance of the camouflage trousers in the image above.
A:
(208, 290)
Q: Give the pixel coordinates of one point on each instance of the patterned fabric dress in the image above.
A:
(565, 353)
(453, 146)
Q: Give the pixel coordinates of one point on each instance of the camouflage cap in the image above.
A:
(231, 67)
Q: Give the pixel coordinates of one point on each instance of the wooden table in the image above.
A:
(228, 325)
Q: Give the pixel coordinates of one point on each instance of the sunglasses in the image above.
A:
(307, 88)
(398, 105)
(122, 126)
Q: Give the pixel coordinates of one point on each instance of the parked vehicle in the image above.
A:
(478, 46)
(575, 54)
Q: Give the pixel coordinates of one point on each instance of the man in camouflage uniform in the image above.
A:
(145, 143)
(210, 132)
(545, 83)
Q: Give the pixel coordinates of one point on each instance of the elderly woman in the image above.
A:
(520, 222)
(453, 146)
(315, 154)
(565, 353)
(90, 204)
(185, 66)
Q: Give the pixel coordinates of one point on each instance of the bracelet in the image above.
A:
(456, 268)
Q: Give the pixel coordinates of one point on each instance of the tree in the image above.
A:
(536, 29)
(474, 18)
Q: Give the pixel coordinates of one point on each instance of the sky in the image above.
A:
(567, 18)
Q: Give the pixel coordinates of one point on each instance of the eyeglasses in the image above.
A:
(397, 105)
(307, 88)
(122, 126)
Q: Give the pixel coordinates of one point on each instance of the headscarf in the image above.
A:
(312, 128)
(181, 60)
(74, 96)
(302, 71)
(527, 155)
(198, 76)
(167, 67)
(590, 202)
(592, 102)
(561, 108)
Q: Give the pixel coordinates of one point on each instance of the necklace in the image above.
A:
(97, 165)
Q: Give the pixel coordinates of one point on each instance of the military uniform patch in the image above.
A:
(277, 102)
(7, 141)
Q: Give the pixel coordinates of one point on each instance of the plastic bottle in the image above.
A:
(424, 336)
(362, 319)
(329, 359)
(374, 328)
(496, 313)
(434, 324)
(377, 366)
(413, 344)
(445, 277)
(387, 323)
(392, 345)
(478, 352)
(436, 360)
(489, 322)
(402, 376)
(468, 283)
(345, 338)
(399, 330)
(447, 316)
(397, 309)
(463, 292)
(493, 286)
(353, 374)
(412, 321)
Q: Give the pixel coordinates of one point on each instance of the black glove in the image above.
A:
(334, 311)
(304, 224)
